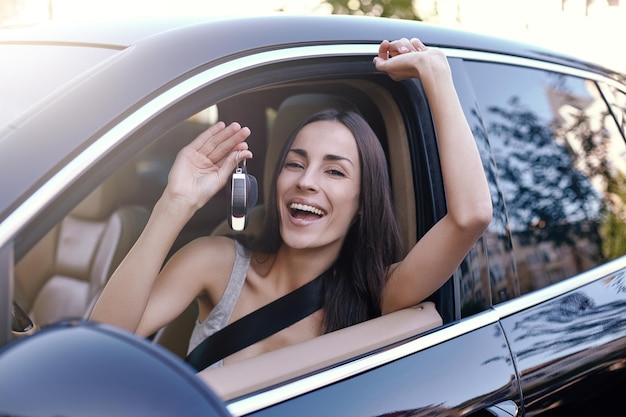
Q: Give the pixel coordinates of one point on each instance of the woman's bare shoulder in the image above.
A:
(209, 251)
(211, 261)
(207, 261)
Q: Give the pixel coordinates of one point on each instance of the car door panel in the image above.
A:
(460, 375)
(573, 340)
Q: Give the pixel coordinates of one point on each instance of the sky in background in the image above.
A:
(594, 32)
(79, 9)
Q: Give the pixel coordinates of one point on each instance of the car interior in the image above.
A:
(63, 274)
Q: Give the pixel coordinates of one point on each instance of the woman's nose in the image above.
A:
(308, 180)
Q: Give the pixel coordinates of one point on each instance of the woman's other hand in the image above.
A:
(410, 58)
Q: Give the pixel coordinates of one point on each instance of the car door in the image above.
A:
(560, 159)
(462, 369)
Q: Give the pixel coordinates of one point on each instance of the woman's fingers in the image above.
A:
(203, 137)
(225, 141)
(388, 49)
(383, 49)
(239, 154)
(218, 141)
(418, 45)
(401, 46)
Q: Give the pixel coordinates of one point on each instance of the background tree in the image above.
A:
(8, 9)
(401, 9)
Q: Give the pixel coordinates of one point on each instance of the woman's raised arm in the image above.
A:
(438, 253)
(200, 170)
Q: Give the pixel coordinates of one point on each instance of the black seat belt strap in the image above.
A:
(259, 324)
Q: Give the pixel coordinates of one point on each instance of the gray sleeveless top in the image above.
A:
(220, 315)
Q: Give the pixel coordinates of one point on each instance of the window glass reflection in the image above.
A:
(561, 167)
(617, 101)
(487, 274)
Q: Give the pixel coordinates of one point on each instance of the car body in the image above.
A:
(532, 323)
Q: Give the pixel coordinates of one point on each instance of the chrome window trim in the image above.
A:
(493, 57)
(532, 299)
(68, 174)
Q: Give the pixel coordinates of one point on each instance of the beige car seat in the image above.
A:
(66, 271)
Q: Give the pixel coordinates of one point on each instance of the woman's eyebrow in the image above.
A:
(328, 157)
(300, 152)
(331, 157)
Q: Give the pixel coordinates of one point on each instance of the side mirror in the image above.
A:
(79, 368)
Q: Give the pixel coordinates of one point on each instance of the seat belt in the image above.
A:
(258, 325)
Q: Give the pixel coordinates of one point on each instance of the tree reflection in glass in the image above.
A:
(560, 161)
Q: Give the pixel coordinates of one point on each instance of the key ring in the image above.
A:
(239, 169)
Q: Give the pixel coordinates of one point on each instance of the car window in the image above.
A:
(487, 274)
(144, 175)
(617, 101)
(560, 160)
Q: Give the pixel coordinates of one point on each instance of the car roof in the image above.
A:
(171, 48)
(112, 33)
(272, 30)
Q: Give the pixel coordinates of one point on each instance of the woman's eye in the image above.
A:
(293, 164)
(336, 172)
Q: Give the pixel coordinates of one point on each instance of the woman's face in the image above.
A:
(318, 186)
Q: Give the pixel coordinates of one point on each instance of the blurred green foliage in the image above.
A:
(400, 9)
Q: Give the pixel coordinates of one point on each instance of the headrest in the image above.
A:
(97, 205)
(108, 196)
(291, 112)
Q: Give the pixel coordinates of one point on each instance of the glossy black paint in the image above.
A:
(112, 373)
(460, 376)
(571, 351)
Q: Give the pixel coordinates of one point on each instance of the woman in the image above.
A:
(325, 213)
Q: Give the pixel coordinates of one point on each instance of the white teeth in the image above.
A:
(304, 207)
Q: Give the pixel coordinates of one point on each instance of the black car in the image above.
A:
(92, 115)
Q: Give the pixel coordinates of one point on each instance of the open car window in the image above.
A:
(137, 183)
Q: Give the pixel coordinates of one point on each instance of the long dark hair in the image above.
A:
(352, 291)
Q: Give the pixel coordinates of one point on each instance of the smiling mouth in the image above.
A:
(304, 210)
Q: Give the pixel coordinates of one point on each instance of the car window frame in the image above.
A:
(6, 291)
(609, 90)
(40, 211)
(32, 219)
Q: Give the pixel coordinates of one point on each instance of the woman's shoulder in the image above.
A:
(211, 249)
(209, 260)
(204, 258)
